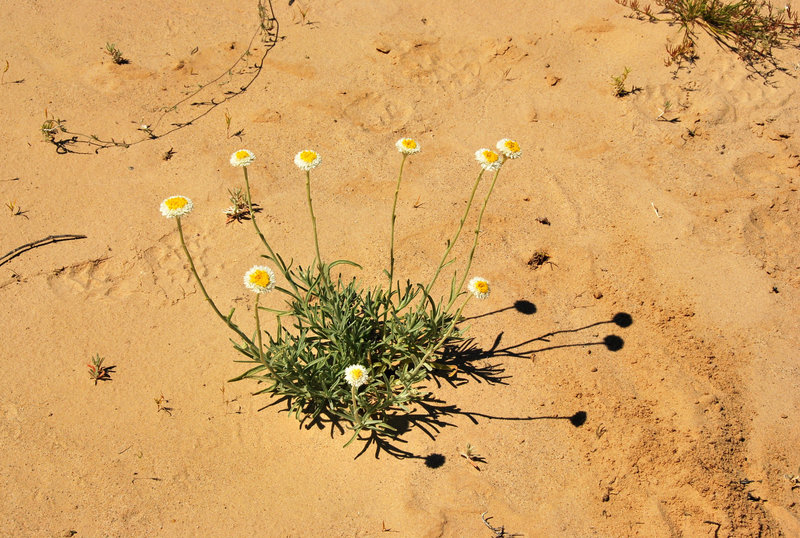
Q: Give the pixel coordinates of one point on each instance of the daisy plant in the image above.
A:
(359, 352)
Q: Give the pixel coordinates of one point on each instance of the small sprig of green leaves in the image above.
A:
(472, 457)
(97, 371)
(239, 210)
(618, 83)
(51, 127)
(116, 54)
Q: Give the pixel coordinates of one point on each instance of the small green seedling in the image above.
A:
(472, 457)
(51, 127)
(618, 83)
(663, 110)
(98, 372)
(116, 54)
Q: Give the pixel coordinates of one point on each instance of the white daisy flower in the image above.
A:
(242, 157)
(489, 159)
(176, 206)
(260, 279)
(407, 146)
(356, 375)
(509, 148)
(479, 287)
(307, 159)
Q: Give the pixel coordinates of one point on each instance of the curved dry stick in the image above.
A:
(41, 242)
(268, 28)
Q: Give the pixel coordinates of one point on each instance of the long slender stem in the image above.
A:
(283, 269)
(475, 241)
(313, 220)
(442, 340)
(394, 218)
(355, 404)
(252, 213)
(458, 232)
(391, 249)
(259, 341)
(203, 288)
(258, 332)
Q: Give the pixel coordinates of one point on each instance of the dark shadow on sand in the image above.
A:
(456, 366)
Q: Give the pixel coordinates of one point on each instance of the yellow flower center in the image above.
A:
(512, 146)
(408, 143)
(260, 278)
(482, 286)
(308, 156)
(242, 154)
(356, 373)
(176, 202)
(490, 156)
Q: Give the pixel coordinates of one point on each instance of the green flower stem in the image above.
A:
(458, 232)
(355, 404)
(283, 269)
(313, 221)
(391, 246)
(475, 241)
(442, 340)
(203, 289)
(259, 339)
(394, 218)
(258, 332)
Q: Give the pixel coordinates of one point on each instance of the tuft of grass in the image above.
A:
(116, 54)
(752, 29)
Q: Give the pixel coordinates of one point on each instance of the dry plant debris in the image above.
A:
(752, 29)
(538, 258)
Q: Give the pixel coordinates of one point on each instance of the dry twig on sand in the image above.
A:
(33, 244)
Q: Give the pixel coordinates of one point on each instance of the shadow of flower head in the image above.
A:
(613, 342)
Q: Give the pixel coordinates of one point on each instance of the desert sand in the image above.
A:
(643, 381)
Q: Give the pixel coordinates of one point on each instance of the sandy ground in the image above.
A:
(686, 231)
